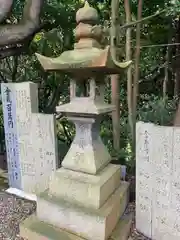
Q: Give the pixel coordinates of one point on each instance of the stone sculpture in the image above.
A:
(85, 197)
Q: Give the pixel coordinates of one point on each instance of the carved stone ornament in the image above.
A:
(88, 56)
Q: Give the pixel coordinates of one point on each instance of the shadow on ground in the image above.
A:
(3, 182)
(3, 172)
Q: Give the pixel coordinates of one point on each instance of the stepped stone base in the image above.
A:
(34, 229)
(87, 190)
(91, 224)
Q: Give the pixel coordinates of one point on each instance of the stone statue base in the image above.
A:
(89, 206)
(34, 229)
(86, 190)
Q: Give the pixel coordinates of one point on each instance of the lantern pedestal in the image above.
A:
(36, 230)
(71, 221)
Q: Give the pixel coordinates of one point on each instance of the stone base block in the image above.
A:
(34, 229)
(84, 189)
(22, 194)
(123, 228)
(85, 222)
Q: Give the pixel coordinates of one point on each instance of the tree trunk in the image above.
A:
(167, 59)
(166, 74)
(177, 117)
(136, 73)
(115, 78)
(129, 70)
(115, 114)
(5, 8)
(177, 66)
(16, 33)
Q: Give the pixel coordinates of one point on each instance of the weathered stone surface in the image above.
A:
(88, 56)
(30, 138)
(87, 60)
(40, 162)
(123, 228)
(17, 109)
(90, 224)
(34, 229)
(88, 107)
(87, 14)
(87, 153)
(84, 189)
(162, 181)
(144, 171)
(157, 189)
(85, 222)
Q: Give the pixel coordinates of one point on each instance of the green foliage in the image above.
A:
(157, 110)
(174, 8)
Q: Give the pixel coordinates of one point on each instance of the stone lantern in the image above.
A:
(86, 198)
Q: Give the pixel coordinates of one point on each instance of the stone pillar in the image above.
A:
(30, 140)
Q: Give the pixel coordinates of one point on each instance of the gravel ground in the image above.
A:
(134, 234)
(13, 210)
